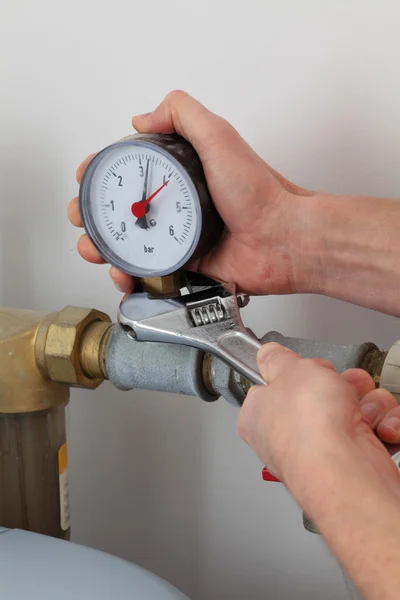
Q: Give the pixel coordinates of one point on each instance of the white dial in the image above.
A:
(141, 209)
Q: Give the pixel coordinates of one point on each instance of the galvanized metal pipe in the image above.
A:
(181, 370)
(154, 366)
(342, 357)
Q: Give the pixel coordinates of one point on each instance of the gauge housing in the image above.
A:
(182, 156)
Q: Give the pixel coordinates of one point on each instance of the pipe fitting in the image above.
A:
(70, 346)
(390, 375)
(221, 380)
(155, 366)
(22, 386)
(166, 286)
(373, 363)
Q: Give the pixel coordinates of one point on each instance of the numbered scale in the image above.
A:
(145, 205)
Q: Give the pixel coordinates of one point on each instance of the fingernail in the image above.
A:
(370, 412)
(266, 351)
(142, 116)
(392, 423)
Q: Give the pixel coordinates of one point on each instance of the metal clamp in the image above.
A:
(209, 320)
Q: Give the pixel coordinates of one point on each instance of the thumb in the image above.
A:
(273, 359)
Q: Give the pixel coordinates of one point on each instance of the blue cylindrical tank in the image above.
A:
(44, 568)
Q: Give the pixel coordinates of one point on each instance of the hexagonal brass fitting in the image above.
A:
(23, 389)
(70, 346)
(163, 287)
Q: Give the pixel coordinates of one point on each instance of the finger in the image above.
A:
(360, 379)
(122, 281)
(88, 251)
(74, 214)
(389, 428)
(273, 359)
(181, 113)
(375, 405)
(82, 167)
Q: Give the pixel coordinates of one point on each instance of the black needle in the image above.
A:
(142, 222)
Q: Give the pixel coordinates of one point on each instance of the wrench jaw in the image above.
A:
(208, 319)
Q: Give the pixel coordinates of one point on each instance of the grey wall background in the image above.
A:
(162, 480)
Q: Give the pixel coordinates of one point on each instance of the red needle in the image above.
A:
(139, 208)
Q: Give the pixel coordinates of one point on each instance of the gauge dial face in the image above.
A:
(141, 209)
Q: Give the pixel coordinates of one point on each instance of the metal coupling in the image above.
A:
(23, 388)
(221, 380)
(71, 346)
(167, 286)
(309, 525)
(373, 363)
(390, 375)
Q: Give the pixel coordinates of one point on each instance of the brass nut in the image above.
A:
(309, 525)
(220, 379)
(163, 287)
(60, 350)
(373, 363)
(94, 348)
(23, 389)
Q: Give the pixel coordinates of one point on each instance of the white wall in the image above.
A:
(164, 480)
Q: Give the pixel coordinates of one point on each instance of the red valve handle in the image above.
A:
(267, 476)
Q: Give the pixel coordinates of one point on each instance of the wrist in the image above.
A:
(308, 222)
(305, 470)
(354, 501)
(348, 247)
(335, 469)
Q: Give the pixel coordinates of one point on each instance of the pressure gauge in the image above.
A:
(145, 205)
